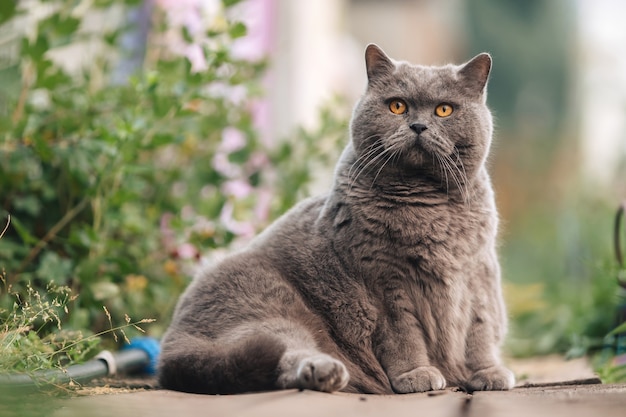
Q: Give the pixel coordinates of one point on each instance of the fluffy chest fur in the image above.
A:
(419, 263)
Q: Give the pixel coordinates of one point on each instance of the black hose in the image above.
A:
(126, 361)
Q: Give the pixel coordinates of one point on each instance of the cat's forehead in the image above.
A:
(423, 81)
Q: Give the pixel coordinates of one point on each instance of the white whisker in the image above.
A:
(444, 171)
(454, 171)
(366, 163)
(369, 151)
(393, 154)
(459, 176)
(366, 160)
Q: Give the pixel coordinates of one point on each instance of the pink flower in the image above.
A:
(187, 251)
(263, 205)
(167, 233)
(195, 55)
(237, 188)
(224, 166)
(258, 16)
(236, 94)
(257, 161)
(242, 229)
(204, 227)
(195, 16)
(232, 140)
(190, 13)
(261, 116)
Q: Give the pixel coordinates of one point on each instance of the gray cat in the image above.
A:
(390, 283)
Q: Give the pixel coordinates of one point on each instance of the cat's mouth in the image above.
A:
(432, 144)
(444, 160)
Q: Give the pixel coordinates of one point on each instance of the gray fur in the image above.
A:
(390, 283)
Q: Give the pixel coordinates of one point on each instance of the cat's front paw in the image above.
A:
(496, 378)
(322, 373)
(423, 378)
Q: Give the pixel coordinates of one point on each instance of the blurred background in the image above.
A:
(143, 138)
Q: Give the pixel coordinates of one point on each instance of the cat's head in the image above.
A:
(425, 120)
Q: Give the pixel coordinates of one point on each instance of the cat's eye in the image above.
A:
(397, 106)
(444, 110)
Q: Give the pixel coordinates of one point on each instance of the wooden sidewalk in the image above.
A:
(552, 401)
(539, 393)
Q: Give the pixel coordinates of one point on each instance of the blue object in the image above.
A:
(152, 348)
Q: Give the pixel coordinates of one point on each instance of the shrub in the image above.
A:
(116, 188)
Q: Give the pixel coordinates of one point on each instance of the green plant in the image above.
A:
(609, 372)
(609, 362)
(116, 189)
(24, 343)
(562, 291)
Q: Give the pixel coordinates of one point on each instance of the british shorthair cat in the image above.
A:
(389, 283)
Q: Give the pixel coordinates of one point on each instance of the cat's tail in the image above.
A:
(195, 365)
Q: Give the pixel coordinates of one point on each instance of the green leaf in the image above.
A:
(111, 38)
(58, 29)
(8, 9)
(229, 3)
(29, 204)
(54, 268)
(11, 251)
(104, 290)
(66, 26)
(36, 48)
(53, 79)
(241, 156)
(619, 329)
(162, 139)
(237, 30)
(186, 35)
(23, 231)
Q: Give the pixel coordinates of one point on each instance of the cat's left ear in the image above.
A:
(377, 62)
(476, 72)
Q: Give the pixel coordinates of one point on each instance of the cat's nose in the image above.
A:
(418, 127)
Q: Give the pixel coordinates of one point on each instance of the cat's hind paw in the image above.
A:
(421, 379)
(322, 373)
(496, 378)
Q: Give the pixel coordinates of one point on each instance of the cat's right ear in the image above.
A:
(376, 62)
(476, 72)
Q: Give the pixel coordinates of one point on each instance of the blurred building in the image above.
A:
(601, 80)
(558, 89)
(317, 48)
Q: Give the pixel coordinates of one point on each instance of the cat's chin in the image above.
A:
(433, 147)
(419, 164)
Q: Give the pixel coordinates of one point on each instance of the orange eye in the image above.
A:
(444, 110)
(397, 106)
